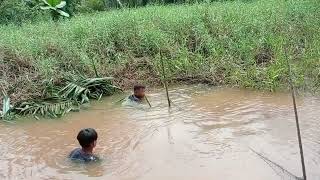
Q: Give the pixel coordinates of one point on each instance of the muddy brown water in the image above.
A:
(206, 135)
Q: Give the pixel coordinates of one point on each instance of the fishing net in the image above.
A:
(279, 170)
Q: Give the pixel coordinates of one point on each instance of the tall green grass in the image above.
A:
(234, 43)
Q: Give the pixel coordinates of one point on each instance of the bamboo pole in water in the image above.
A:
(147, 101)
(164, 81)
(296, 118)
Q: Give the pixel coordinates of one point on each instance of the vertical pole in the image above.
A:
(297, 121)
(165, 81)
(94, 68)
(147, 101)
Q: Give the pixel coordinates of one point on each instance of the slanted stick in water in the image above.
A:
(147, 101)
(281, 171)
(164, 81)
(296, 117)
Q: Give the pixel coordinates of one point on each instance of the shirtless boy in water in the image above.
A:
(87, 139)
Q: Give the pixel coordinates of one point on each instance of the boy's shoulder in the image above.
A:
(75, 153)
(78, 155)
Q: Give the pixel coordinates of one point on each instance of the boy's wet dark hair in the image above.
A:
(87, 136)
(138, 87)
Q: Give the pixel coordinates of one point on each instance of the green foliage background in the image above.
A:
(233, 43)
(21, 11)
(18, 12)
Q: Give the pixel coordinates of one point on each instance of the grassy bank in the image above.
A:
(232, 43)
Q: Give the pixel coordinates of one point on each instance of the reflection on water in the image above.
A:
(206, 135)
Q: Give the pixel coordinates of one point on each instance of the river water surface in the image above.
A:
(207, 134)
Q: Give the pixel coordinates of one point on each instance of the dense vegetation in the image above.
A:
(19, 11)
(231, 43)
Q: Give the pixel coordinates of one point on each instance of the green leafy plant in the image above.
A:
(56, 8)
(83, 89)
(47, 107)
(66, 97)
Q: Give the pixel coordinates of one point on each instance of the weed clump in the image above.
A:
(67, 95)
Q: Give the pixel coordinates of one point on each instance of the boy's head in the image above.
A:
(139, 91)
(87, 138)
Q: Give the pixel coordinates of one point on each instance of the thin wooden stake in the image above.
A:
(147, 101)
(94, 68)
(297, 120)
(165, 81)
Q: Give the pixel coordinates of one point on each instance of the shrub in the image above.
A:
(18, 11)
(91, 5)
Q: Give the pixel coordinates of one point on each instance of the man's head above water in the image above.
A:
(139, 91)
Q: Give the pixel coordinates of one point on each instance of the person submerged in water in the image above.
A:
(138, 95)
(87, 139)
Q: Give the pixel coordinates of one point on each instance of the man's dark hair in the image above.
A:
(87, 136)
(138, 87)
